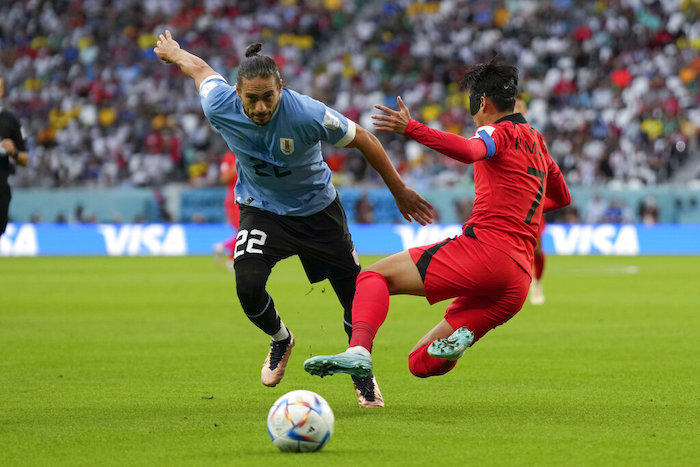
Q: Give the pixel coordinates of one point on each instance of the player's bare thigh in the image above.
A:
(401, 274)
(441, 330)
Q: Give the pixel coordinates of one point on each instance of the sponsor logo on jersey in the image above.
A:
(330, 121)
(206, 88)
(287, 146)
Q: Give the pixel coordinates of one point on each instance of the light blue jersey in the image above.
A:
(280, 165)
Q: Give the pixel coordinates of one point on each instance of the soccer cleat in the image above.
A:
(352, 363)
(367, 391)
(276, 361)
(536, 293)
(453, 347)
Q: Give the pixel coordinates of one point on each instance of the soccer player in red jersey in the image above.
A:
(487, 269)
(229, 176)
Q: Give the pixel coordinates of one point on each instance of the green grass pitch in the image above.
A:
(150, 361)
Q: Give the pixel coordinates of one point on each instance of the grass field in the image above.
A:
(150, 361)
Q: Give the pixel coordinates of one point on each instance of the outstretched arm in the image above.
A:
(457, 147)
(410, 203)
(168, 50)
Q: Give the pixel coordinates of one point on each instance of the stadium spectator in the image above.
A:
(13, 151)
(617, 212)
(613, 90)
(649, 210)
(487, 270)
(288, 205)
(594, 210)
(364, 212)
(463, 209)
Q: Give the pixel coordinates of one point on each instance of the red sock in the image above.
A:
(539, 265)
(369, 308)
(421, 364)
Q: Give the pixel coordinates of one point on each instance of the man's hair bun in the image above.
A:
(253, 49)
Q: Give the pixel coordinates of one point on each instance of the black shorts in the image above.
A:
(322, 241)
(5, 197)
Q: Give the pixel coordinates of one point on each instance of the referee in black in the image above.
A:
(13, 151)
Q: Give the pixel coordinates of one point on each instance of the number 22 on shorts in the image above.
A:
(249, 242)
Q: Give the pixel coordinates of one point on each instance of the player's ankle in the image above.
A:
(358, 349)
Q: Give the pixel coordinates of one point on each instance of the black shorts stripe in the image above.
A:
(427, 256)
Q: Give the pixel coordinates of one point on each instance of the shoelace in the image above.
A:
(277, 350)
(365, 386)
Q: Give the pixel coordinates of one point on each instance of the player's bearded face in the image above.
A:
(260, 97)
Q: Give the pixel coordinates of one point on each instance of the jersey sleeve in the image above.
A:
(467, 150)
(214, 94)
(324, 123)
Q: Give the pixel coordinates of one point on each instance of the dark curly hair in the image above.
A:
(495, 80)
(256, 65)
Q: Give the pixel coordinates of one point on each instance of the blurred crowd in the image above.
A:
(612, 85)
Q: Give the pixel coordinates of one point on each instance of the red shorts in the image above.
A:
(488, 286)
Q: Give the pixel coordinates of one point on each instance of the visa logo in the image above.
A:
(19, 240)
(137, 239)
(604, 239)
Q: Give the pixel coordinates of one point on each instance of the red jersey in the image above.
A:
(228, 161)
(515, 181)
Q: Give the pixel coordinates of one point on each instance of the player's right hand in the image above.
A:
(166, 48)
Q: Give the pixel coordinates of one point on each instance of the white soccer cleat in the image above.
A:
(452, 347)
(353, 362)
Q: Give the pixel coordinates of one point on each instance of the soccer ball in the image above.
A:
(300, 421)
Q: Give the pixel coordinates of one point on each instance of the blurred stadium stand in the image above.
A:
(613, 86)
(184, 204)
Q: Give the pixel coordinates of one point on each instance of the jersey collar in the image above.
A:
(513, 118)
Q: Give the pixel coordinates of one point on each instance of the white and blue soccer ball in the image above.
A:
(300, 421)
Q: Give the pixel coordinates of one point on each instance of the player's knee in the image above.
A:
(415, 369)
(415, 363)
(423, 365)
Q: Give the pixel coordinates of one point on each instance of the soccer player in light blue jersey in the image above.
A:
(288, 204)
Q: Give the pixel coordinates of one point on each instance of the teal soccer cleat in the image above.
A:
(354, 364)
(453, 347)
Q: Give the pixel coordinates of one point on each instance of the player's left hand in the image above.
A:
(166, 48)
(394, 120)
(412, 205)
